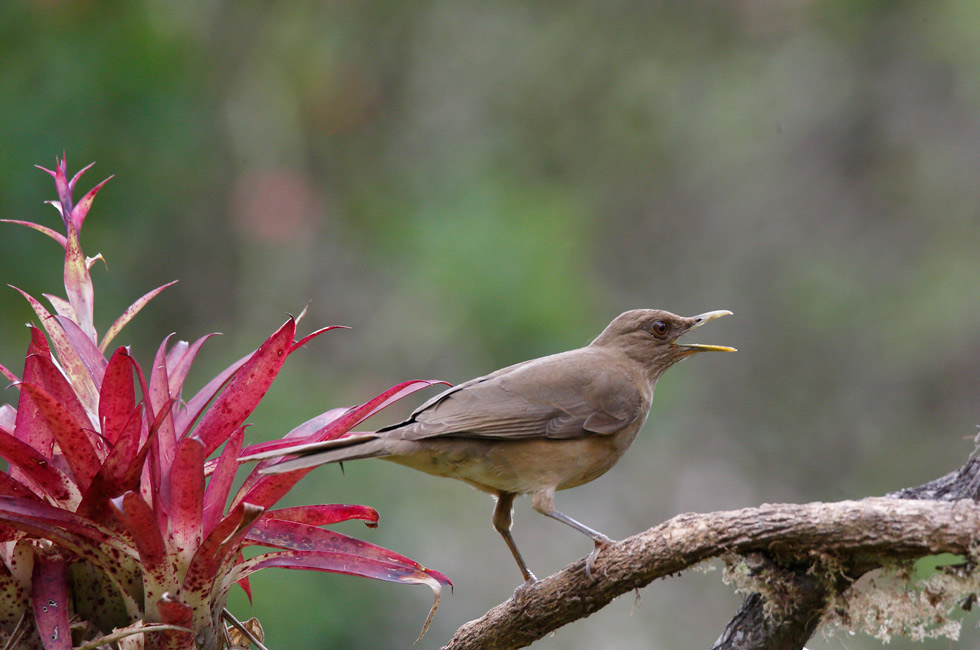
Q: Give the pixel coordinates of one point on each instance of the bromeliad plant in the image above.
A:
(117, 530)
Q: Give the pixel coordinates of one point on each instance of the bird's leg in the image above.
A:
(544, 502)
(502, 514)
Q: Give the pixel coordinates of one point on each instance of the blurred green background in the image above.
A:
(472, 184)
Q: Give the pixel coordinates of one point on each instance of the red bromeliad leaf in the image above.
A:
(43, 514)
(180, 364)
(11, 487)
(11, 377)
(72, 364)
(49, 595)
(117, 399)
(174, 612)
(58, 387)
(303, 537)
(190, 413)
(219, 487)
(323, 515)
(350, 564)
(90, 355)
(115, 477)
(160, 393)
(30, 426)
(158, 575)
(78, 284)
(246, 389)
(82, 207)
(219, 549)
(75, 444)
(57, 236)
(128, 315)
(38, 470)
(312, 335)
(13, 596)
(336, 562)
(61, 306)
(187, 498)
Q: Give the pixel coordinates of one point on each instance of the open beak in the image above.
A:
(700, 320)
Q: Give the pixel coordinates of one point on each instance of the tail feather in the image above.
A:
(320, 454)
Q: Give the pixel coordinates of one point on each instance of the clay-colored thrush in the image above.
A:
(535, 427)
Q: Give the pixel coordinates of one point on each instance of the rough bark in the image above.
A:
(782, 544)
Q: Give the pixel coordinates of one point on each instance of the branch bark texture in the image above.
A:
(788, 538)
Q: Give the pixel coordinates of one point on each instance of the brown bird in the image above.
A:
(535, 427)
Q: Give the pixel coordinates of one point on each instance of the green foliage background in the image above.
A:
(471, 184)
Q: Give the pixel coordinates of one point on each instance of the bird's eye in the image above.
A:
(659, 329)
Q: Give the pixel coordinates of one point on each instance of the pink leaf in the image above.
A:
(11, 487)
(219, 548)
(309, 337)
(160, 393)
(58, 387)
(128, 315)
(90, 355)
(76, 536)
(78, 174)
(246, 389)
(323, 515)
(335, 562)
(11, 377)
(78, 285)
(70, 361)
(30, 426)
(187, 496)
(81, 209)
(61, 306)
(351, 565)
(75, 444)
(190, 413)
(58, 237)
(116, 476)
(45, 478)
(49, 595)
(219, 487)
(117, 398)
(139, 520)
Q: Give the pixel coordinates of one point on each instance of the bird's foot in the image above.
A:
(531, 579)
(600, 543)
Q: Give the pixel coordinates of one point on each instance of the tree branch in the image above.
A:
(857, 535)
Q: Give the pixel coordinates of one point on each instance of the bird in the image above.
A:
(532, 428)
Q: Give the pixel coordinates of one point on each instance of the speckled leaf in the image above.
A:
(49, 597)
(128, 315)
(187, 497)
(219, 487)
(323, 515)
(61, 391)
(90, 355)
(78, 375)
(57, 236)
(37, 469)
(159, 394)
(73, 440)
(117, 399)
(246, 389)
(78, 284)
(195, 407)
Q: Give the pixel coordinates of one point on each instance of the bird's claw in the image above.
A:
(521, 588)
(600, 543)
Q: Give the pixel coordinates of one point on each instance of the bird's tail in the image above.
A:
(356, 447)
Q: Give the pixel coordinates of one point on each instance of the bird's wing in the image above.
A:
(568, 395)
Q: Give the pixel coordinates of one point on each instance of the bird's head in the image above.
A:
(650, 337)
